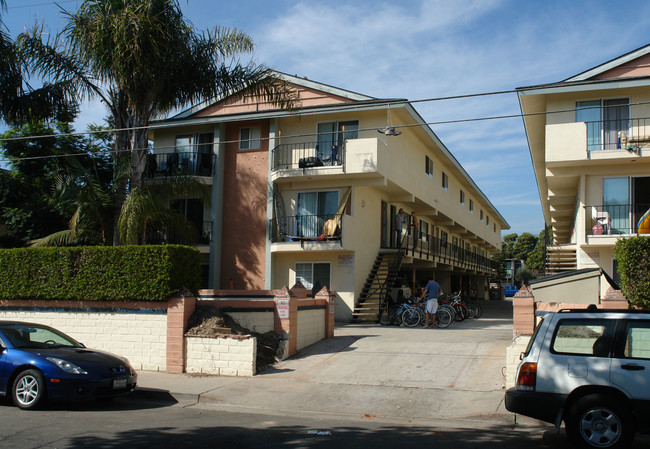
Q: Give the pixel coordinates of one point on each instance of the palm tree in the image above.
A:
(143, 59)
(19, 102)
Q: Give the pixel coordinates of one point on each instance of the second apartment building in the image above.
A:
(311, 195)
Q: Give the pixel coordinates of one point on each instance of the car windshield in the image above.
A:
(32, 336)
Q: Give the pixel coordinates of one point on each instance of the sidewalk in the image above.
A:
(371, 371)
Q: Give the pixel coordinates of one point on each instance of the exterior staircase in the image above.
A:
(560, 258)
(381, 279)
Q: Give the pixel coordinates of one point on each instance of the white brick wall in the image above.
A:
(512, 358)
(225, 356)
(140, 337)
(260, 322)
(311, 327)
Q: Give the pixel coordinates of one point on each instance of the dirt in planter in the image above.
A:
(210, 322)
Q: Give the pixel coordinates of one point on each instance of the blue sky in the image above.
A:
(419, 49)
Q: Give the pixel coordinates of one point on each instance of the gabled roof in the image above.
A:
(609, 65)
(293, 79)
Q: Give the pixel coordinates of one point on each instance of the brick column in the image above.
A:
(329, 297)
(286, 319)
(179, 311)
(523, 313)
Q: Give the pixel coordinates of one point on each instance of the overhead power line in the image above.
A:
(396, 126)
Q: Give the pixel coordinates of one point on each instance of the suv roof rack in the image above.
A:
(592, 308)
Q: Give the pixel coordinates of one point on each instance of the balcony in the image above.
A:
(173, 164)
(306, 155)
(622, 134)
(617, 219)
(162, 236)
(306, 228)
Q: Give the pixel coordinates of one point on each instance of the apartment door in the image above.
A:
(640, 199)
(314, 208)
(616, 202)
(616, 118)
(385, 231)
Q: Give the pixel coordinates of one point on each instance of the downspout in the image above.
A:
(216, 212)
(274, 127)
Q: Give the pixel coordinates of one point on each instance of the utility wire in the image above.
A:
(443, 122)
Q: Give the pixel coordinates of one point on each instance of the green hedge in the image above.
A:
(99, 273)
(633, 257)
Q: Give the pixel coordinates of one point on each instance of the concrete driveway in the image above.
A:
(387, 373)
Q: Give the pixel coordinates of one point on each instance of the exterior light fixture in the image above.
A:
(389, 130)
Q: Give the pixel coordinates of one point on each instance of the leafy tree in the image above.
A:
(38, 194)
(524, 276)
(633, 257)
(524, 245)
(143, 59)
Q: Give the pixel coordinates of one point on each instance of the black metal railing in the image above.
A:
(170, 164)
(616, 219)
(164, 236)
(307, 155)
(425, 246)
(299, 228)
(622, 134)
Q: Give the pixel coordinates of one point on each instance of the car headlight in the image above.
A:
(67, 366)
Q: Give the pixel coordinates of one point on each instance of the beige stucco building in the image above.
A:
(312, 195)
(589, 139)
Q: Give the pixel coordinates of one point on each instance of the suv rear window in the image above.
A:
(583, 337)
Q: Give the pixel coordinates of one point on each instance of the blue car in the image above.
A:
(38, 363)
(510, 290)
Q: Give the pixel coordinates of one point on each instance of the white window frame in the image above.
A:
(445, 181)
(312, 263)
(252, 141)
(428, 166)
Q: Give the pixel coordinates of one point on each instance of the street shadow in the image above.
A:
(339, 437)
(138, 400)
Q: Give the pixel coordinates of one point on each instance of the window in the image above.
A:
(445, 181)
(462, 197)
(604, 120)
(332, 135)
(583, 336)
(637, 340)
(471, 205)
(443, 239)
(495, 227)
(428, 166)
(481, 215)
(249, 138)
(313, 210)
(487, 220)
(314, 274)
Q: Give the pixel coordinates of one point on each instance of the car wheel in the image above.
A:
(29, 389)
(598, 421)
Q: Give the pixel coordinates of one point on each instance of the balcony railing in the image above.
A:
(301, 228)
(162, 236)
(171, 164)
(622, 134)
(307, 155)
(616, 219)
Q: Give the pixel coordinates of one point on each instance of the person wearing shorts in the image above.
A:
(432, 291)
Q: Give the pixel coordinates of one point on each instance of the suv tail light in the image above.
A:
(527, 376)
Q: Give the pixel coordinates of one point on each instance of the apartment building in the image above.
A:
(589, 139)
(312, 195)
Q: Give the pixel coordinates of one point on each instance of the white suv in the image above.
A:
(591, 369)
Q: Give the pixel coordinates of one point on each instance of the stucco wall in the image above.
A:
(311, 327)
(140, 337)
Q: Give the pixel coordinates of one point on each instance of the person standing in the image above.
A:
(432, 290)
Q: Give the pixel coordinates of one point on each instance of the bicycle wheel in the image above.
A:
(392, 315)
(384, 316)
(460, 312)
(443, 317)
(410, 317)
(474, 310)
(450, 309)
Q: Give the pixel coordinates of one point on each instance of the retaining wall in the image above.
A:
(152, 335)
